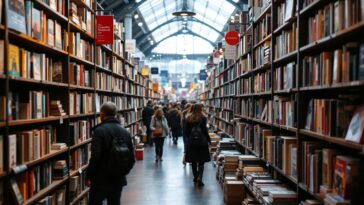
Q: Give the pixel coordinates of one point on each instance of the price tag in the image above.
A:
(61, 120)
(80, 170)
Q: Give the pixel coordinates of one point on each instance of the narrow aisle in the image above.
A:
(168, 182)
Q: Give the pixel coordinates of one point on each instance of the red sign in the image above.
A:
(104, 30)
(232, 38)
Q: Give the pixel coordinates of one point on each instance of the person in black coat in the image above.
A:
(197, 155)
(147, 114)
(98, 176)
(175, 123)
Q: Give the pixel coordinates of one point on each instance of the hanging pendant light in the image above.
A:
(184, 12)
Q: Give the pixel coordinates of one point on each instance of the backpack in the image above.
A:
(197, 138)
(120, 159)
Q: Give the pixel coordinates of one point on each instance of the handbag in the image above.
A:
(158, 131)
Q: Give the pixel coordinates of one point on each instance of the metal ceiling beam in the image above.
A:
(147, 49)
(175, 19)
(133, 6)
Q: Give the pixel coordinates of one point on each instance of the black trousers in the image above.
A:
(159, 142)
(197, 170)
(99, 194)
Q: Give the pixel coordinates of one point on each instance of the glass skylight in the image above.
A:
(212, 12)
(184, 44)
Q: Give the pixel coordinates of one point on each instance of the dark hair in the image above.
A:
(109, 109)
(149, 102)
(196, 114)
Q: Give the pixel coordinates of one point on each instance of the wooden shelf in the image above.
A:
(118, 56)
(104, 91)
(44, 192)
(27, 42)
(284, 127)
(80, 144)
(80, 196)
(106, 48)
(292, 56)
(261, 68)
(339, 86)
(78, 87)
(34, 121)
(221, 119)
(263, 13)
(50, 12)
(81, 115)
(315, 195)
(333, 140)
(82, 4)
(52, 154)
(84, 34)
(262, 94)
(37, 82)
(285, 92)
(262, 41)
(82, 61)
(75, 172)
(313, 7)
(285, 26)
(99, 68)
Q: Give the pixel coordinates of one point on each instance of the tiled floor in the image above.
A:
(168, 182)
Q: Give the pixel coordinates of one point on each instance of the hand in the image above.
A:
(88, 183)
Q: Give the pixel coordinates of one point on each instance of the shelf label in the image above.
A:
(104, 30)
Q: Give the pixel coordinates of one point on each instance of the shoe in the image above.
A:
(200, 183)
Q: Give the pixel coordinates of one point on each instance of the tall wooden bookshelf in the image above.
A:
(279, 78)
(107, 75)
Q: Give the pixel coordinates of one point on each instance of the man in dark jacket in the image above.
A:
(147, 114)
(103, 186)
(174, 118)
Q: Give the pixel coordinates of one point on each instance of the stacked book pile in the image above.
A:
(60, 169)
(234, 192)
(56, 108)
(215, 139)
(248, 163)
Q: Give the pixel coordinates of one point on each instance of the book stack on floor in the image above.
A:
(234, 192)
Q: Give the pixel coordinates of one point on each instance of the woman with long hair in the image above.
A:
(197, 141)
(159, 127)
(184, 120)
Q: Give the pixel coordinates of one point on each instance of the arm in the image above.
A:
(131, 150)
(96, 150)
(152, 123)
(205, 130)
(144, 117)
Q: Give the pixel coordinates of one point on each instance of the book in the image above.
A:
(13, 61)
(57, 72)
(36, 24)
(51, 32)
(58, 146)
(346, 169)
(289, 9)
(361, 58)
(1, 154)
(36, 69)
(12, 157)
(58, 35)
(16, 192)
(355, 131)
(16, 15)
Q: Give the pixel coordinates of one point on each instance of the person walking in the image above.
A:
(175, 123)
(184, 121)
(103, 175)
(147, 114)
(198, 142)
(159, 127)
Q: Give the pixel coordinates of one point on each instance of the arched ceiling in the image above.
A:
(159, 25)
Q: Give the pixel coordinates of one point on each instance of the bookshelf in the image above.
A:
(53, 80)
(272, 86)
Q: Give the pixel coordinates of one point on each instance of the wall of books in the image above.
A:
(293, 100)
(53, 79)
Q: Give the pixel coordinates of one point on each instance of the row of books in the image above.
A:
(333, 67)
(126, 102)
(79, 75)
(244, 86)
(223, 103)
(263, 110)
(285, 11)
(222, 125)
(80, 48)
(263, 29)
(104, 81)
(332, 116)
(262, 82)
(83, 18)
(77, 185)
(326, 170)
(285, 111)
(102, 58)
(118, 47)
(333, 18)
(80, 131)
(44, 29)
(131, 117)
(81, 103)
(243, 107)
(262, 55)
(227, 89)
(57, 197)
(225, 115)
(33, 65)
(245, 44)
(259, 6)
(286, 42)
(285, 77)
(117, 66)
(80, 157)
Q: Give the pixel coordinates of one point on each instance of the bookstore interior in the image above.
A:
(281, 81)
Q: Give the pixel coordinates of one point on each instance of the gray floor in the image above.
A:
(168, 182)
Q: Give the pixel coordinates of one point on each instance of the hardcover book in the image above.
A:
(16, 15)
(50, 32)
(13, 61)
(356, 127)
(36, 24)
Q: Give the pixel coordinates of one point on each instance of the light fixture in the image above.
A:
(184, 12)
(184, 31)
(140, 24)
(151, 42)
(136, 16)
(149, 39)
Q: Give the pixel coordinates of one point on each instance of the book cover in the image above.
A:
(361, 59)
(12, 150)
(356, 127)
(16, 15)
(36, 24)
(16, 192)
(36, 67)
(50, 32)
(346, 169)
(58, 34)
(57, 72)
(13, 61)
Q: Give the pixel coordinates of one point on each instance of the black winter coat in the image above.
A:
(193, 154)
(100, 146)
(174, 122)
(147, 114)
